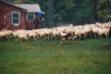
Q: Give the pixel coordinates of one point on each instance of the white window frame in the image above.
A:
(15, 12)
(31, 14)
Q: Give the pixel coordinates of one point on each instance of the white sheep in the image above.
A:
(104, 31)
(31, 35)
(6, 34)
(22, 37)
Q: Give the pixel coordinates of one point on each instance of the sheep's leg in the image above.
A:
(79, 37)
(48, 37)
(84, 36)
(95, 36)
(45, 37)
(106, 36)
(55, 37)
(23, 40)
(41, 37)
(90, 34)
(7, 38)
(34, 37)
(76, 37)
(101, 37)
(38, 37)
(51, 37)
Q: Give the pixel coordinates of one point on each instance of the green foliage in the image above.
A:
(104, 10)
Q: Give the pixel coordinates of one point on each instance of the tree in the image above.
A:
(104, 10)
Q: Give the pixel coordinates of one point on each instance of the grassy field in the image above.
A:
(48, 57)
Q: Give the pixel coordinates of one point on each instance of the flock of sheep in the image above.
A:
(69, 32)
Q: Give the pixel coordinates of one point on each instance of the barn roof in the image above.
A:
(7, 3)
(34, 8)
(30, 7)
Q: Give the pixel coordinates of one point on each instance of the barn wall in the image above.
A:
(35, 24)
(5, 17)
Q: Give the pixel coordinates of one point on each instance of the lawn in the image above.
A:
(91, 56)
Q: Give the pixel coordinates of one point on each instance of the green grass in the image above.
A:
(48, 57)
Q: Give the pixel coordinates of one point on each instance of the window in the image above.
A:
(15, 18)
(30, 16)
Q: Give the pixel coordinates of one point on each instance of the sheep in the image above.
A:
(62, 32)
(5, 34)
(48, 33)
(88, 31)
(42, 33)
(31, 35)
(103, 31)
(38, 33)
(22, 36)
(55, 33)
(2, 35)
(17, 32)
(78, 32)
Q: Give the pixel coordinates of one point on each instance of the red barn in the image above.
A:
(20, 16)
